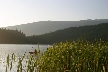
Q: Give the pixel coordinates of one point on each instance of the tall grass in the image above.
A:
(70, 56)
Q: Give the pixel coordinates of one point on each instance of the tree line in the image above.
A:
(90, 32)
(8, 36)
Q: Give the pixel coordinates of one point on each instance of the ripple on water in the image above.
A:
(19, 50)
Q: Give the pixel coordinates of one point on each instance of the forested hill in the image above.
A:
(12, 37)
(90, 32)
(41, 27)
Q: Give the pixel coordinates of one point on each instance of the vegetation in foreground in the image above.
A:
(70, 56)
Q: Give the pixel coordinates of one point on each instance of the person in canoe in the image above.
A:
(35, 52)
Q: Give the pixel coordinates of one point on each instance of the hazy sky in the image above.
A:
(14, 12)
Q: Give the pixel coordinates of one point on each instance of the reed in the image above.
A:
(70, 56)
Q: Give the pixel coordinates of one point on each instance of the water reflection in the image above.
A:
(18, 50)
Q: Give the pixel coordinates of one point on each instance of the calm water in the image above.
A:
(18, 49)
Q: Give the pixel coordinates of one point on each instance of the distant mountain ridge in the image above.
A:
(90, 33)
(42, 27)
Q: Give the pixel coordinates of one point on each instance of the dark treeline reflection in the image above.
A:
(91, 33)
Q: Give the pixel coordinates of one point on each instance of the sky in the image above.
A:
(16, 12)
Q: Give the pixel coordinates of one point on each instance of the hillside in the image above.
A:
(90, 32)
(42, 27)
(12, 37)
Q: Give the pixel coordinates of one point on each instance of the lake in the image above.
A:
(18, 50)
